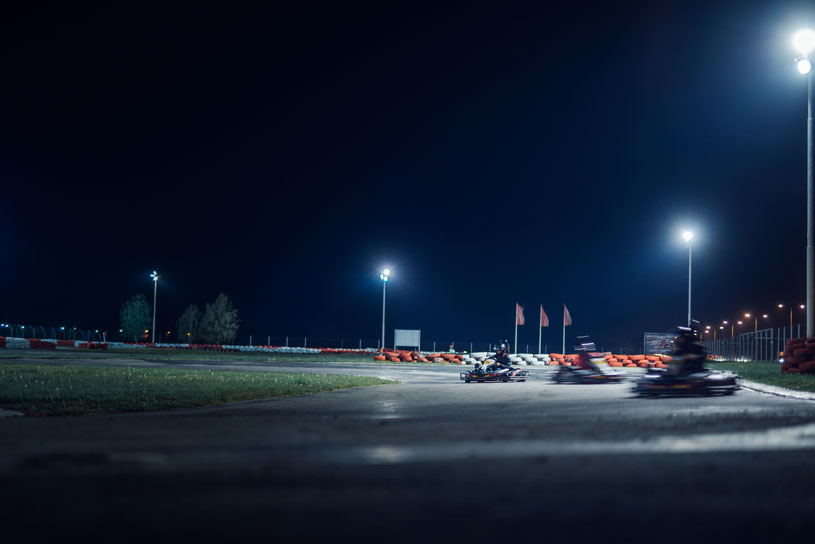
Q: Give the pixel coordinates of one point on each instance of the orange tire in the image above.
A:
(807, 368)
(379, 358)
(613, 360)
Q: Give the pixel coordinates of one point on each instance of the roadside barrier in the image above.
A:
(799, 356)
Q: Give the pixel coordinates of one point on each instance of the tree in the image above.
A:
(188, 325)
(136, 317)
(220, 322)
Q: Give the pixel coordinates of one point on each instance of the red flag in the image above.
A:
(519, 314)
(567, 317)
(544, 318)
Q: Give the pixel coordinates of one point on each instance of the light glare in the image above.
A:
(804, 66)
(804, 41)
(687, 236)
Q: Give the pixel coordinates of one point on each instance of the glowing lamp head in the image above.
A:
(803, 306)
(154, 275)
(687, 236)
(725, 322)
(804, 41)
(804, 66)
(739, 322)
(747, 315)
(385, 275)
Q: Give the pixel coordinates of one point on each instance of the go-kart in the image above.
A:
(706, 382)
(597, 374)
(491, 373)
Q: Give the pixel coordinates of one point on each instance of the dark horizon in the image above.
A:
(488, 153)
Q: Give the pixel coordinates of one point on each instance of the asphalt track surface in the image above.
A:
(431, 459)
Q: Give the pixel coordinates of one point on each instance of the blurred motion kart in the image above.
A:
(492, 374)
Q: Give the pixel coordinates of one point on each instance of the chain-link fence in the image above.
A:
(761, 345)
(54, 333)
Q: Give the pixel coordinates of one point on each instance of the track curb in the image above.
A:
(11, 413)
(777, 391)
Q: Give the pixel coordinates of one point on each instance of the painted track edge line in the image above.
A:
(777, 391)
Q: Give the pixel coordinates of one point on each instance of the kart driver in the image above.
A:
(689, 354)
(501, 357)
(583, 361)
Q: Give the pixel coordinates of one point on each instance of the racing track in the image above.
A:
(431, 459)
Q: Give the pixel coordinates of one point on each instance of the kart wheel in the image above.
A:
(466, 381)
(505, 379)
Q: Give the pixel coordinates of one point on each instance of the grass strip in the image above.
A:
(42, 389)
(169, 354)
(768, 372)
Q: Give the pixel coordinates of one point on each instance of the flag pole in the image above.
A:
(515, 345)
(540, 333)
(564, 330)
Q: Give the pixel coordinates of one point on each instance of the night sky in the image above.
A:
(487, 152)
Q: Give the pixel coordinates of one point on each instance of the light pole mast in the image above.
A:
(384, 276)
(688, 236)
(154, 275)
(804, 42)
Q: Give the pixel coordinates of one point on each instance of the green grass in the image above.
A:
(43, 389)
(768, 372)
(166, 354)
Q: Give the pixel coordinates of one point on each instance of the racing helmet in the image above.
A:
(501, 347)
(687, 341)
(585, 345)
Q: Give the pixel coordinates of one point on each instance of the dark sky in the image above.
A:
(488, 152)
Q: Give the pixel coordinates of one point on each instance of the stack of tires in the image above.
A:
(418, 357)
(17, 343)
(799, 356)
(35, 343)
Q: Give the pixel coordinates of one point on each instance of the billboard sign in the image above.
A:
(658, 342)
(407, 338)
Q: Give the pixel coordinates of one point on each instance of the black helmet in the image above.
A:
(687, 341)
(585, 344)
(500, 347)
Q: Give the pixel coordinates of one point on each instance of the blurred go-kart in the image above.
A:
(594, 370)
(494, 373)
(686, 374)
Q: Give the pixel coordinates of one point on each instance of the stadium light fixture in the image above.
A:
(155, 277)
(688, 237)
(804, 43)
(385, 276)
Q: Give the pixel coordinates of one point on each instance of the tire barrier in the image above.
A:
(418, 357)
(799, 356)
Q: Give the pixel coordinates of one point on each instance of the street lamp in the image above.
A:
(155, 277)
(688, 237)
(804, 42)
(385, 275)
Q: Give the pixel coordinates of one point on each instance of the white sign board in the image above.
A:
(407, 338)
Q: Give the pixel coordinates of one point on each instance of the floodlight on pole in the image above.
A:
(688, 237)
(155, 277)
(804, 43)
(385, 276)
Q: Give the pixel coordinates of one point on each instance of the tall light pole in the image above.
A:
(804, 41)
(385, 275)
(688, 237)
(154, 275)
